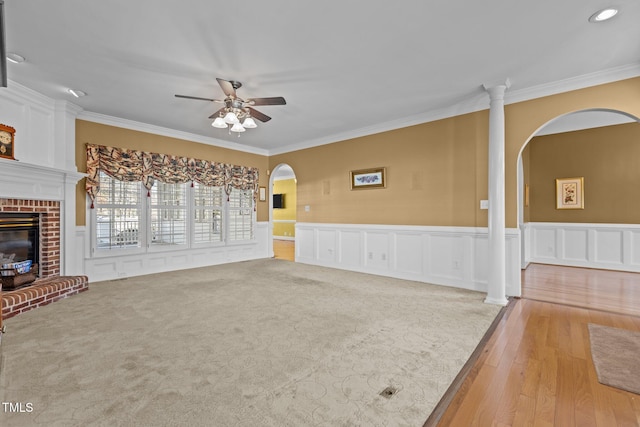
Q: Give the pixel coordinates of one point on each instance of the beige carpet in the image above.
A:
(616, 356)
(257, 343)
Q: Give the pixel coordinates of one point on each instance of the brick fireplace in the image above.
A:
(49, 286)
(49, 212)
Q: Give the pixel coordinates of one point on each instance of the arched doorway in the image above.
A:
(560, 129)
(282, 211)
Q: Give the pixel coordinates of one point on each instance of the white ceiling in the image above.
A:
(346, 68)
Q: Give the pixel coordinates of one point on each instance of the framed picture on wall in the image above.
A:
(368, 178)
(570, 193)
(263, 194)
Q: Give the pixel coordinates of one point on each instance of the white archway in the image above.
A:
(572, 121)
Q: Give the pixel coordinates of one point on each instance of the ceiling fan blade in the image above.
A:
(196, 97)
(258, 115)
(229, 88)
(276, 100)
(217, 113)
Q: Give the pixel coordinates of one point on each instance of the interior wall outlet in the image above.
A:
(307, 208)
(484, 204)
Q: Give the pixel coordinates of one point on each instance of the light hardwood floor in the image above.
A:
(284, 249)
(536, 368)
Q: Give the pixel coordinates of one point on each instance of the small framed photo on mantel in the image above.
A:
(570, 193)
(368, 178)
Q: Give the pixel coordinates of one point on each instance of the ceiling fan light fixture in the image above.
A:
(219, 123)
(237, 127)
(231, 118)
(603, 15)
(249, 123)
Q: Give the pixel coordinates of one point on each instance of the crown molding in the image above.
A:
(477, 102)
(172, 133)
(17, 92)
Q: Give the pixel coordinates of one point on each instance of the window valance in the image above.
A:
(132, 165)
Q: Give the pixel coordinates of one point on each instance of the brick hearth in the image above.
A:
(41, 292)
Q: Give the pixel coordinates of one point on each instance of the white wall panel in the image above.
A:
(450, 256)
(544, 243)
(605, 246)
(609, 246)
(634, 241)
(410, 254)
(575, 244)
(350, 252)
(376, 250)
(305, 244)
(327, 245)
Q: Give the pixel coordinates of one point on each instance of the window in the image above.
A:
(168, 214)
(240, 215)
(175, 215)
(117, 208)
(208, 205)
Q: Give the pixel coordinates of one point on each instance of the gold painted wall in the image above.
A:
(523, 119)
(288, 188)
(95, 133)
(436, 172)
(436, 175)
(609, 160)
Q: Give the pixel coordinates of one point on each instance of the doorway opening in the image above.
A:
(592, 145)
(283, 211)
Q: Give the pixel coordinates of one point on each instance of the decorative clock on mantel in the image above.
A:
(7, 134)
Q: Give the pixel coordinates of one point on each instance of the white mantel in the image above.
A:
(45, 168)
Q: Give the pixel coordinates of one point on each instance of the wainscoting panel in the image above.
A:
(350, 247)
(450, 256)
(112, 267)
(604, 246)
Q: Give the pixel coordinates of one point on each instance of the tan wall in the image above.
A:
(436, 175)
(436, 172)
(609, 160)
(95, 133)
(525, 118)
(288, 188)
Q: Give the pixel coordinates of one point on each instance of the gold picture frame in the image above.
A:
(368, 178)
(570, 193)
(262, 194)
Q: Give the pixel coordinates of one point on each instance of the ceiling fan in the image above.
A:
(237, 113)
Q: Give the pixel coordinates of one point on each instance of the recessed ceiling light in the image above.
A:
(603, 15)
(76, 93)
(15, 58)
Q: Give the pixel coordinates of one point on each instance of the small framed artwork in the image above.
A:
(570, 193)
(7, 134)
(368, 178)
(263, 194)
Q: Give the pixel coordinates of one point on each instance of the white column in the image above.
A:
(496, 292)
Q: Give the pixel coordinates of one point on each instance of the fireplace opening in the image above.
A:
(19, 237)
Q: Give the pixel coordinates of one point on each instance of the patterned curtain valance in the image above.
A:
(132, 165)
